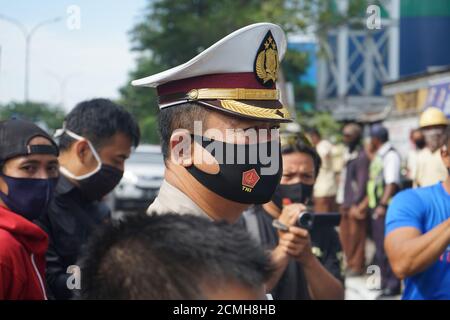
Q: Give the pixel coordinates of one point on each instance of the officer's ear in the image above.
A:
(180, 145)
(184, 151)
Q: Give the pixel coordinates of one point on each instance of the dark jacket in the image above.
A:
(293, 284)
(357, 176)
(22, 258)
(69, 222)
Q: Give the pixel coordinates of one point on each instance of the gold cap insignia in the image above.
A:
(266, 62)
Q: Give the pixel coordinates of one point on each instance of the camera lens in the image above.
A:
(305, 220)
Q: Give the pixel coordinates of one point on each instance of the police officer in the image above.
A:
(215, 101)
(430, 168)
(218, 122)
(384, 182)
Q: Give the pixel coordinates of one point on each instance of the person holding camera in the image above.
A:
(417, 238)
(307, 262)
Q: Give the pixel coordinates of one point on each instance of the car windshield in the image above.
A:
(146, 158)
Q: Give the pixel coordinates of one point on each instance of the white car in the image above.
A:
(144, 173)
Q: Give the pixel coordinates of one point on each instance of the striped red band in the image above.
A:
(245, 80)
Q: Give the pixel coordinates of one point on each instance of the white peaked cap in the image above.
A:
(236, 75)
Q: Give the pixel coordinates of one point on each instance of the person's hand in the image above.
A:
(296, 243)
(356, 213)
(380, 211)
(290, 213)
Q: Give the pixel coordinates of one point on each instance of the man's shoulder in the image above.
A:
(9, 246)
(424, 154)
(407, 194)
(324, 146)
(363, 157)
(415, 198)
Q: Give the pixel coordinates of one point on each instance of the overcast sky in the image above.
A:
(93, 60)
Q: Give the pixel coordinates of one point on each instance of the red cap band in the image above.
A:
(245, 80)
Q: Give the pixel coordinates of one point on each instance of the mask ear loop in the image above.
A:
(66, 172)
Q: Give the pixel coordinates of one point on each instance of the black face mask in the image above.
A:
(352, 145)
(420, 143)
(98, 183)
(101, 183)
(296, 193)
(28, 197)
(244, 181)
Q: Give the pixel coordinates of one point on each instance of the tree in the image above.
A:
(51, 116)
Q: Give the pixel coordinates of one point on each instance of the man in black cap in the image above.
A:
(384, 182)
(28, 175)
(95, 141)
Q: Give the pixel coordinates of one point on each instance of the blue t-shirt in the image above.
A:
(423, 209)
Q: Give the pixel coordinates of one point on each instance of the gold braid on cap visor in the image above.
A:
(228, 100)
(249, 110)
(228, 97)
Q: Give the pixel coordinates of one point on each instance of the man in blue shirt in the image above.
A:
(418, 237)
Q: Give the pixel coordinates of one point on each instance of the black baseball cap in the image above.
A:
(16, 134)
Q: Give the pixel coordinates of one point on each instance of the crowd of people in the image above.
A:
(248, 205)
(371, 176)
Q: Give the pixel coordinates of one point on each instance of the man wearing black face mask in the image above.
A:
(28, 175)
(218, 121)
(429, 167)
(311, 266)
(96, 139)
(216, 116)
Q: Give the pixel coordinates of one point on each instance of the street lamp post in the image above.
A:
(28, 34)
(62, 82)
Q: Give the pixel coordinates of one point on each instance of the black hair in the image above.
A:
(382, 134)
(302, 147)
(170, 256)
(313, 131)
(176, 117)
(384, 137)
(98, 120)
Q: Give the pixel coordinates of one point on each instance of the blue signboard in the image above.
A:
(439, 96)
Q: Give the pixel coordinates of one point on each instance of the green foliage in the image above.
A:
(149, 127)
(52, 116)
(328, 127)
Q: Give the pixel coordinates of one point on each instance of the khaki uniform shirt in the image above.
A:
(430, 168)
(325, 185)
(173, 200)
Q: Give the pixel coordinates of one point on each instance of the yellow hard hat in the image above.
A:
(432, 116)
